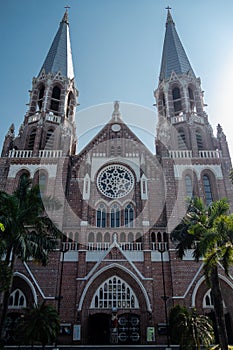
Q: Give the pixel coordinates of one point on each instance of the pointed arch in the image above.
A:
(199, 139)
(31, 139)
(101, 215)
(207, 189)
(55, 99)
(41, 179)
(201, 281)
(181, 139)
(188, 186)
(114, 292)
(115, 215)
(70, 103)
(192, 104)
(124, 273)
(162, 104)
(129, 215)
(17, 300)
(50, 137)
(41, 91)
(176, 97)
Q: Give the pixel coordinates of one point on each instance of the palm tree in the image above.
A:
(209, 231)
(28, 233)
(40, 324)
(190, 330)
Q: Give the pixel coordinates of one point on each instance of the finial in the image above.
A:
(116, 113)
(169, 16)
(65, 17)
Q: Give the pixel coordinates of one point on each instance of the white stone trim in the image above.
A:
(201, 280)
(114, 265)
(36, 283)
(179, 169)
(190, 285)
(86, 187)
(26, 279)
(133, 163)
(51, 169)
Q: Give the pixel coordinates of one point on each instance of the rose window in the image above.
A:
(115, 181)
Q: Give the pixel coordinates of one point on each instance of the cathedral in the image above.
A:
(115, 274)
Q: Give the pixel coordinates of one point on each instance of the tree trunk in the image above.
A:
(218, 309)
(6, 294)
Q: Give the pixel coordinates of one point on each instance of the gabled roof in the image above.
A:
(116, 118)
(59, 58)
(174, 57)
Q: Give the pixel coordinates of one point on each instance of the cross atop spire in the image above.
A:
(174, 58)
(169, 16)
(59, 58)
(65, 17)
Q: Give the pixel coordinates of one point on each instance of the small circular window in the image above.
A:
(115, 181)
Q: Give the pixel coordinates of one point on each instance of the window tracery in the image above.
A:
(114, 293)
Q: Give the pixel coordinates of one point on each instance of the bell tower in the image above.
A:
(49, 124)
(185, 143)
(179, 98)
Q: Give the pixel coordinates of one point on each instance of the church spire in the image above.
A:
(174, 58)
(59, 57)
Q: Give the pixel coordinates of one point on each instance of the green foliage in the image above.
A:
(5, 276)
(40, 324)
(28, 231)
(209, 231)
(190, 330)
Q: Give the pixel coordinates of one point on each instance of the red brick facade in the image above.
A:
(114, 224)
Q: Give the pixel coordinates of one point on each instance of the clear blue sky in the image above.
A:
(117, 46)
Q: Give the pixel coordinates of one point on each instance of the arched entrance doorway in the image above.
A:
(106, 329)
(99, 329)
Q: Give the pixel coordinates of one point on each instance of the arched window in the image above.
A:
(49, 142)
(138, 237)
(42, 182)
(99, 237)
(130, 237)
(176, 100)
(91, 237)
(129, 215)
(23, 177)
(191, 99)
(114, 293)
(115, 216)
(207, 190)
(181, 139)
(31, 139)
(54, 105)
(208, 300)
(153, 238)
(69, 105)
(189, 186)
(101, 216)
(122, 237)
(162, 104)
(107, 237)
(199, 140)
(17, 300)
(40, 97)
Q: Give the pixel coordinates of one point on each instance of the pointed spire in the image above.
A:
(174, 58)
(169, 16)
(59, 57)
